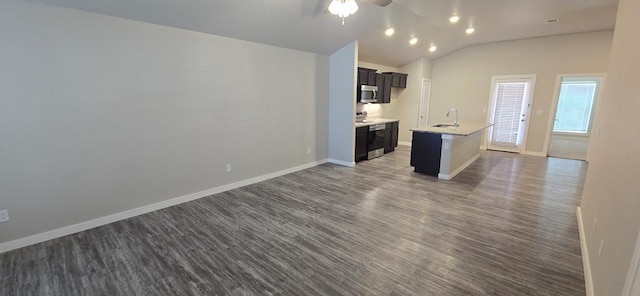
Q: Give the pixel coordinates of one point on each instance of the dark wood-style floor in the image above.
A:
(505, 226)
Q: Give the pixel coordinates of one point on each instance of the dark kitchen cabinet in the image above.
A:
(384, 82)
(426, 153)
(391, 136)
(365, 77)
(361, 143)
(398, 79)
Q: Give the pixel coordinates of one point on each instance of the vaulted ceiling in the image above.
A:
(305, 24)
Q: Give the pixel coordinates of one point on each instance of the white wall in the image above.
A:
(409, 99)
(612, 191)
(342, 104)
(99, 114)
(463, 79)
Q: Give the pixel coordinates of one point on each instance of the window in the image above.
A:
(575, 104)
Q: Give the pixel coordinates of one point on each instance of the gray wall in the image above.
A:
(99, 114)
(409, 99)
(463, 78)
(342, 104)
(612, 191)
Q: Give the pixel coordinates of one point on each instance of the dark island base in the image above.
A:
(426, 152)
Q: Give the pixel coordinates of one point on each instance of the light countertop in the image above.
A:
(375, 121)
(464, 129)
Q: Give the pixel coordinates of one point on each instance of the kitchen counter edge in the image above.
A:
(375, 121)
(464, 129)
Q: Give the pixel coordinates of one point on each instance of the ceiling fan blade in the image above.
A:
(382, 3)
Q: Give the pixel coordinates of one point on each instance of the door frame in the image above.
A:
(633, 275)
(554, 105)
(491, 111)
(422, 100)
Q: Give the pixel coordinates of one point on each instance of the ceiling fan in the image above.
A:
(345, 8)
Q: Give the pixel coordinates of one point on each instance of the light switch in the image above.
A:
(539, 112)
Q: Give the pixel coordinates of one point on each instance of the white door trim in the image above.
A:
(633, 275)
(422, 99)
(554, 104)
(491, 105)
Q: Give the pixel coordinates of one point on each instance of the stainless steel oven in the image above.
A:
(376, 140)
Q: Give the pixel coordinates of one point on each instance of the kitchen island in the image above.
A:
(447, 150)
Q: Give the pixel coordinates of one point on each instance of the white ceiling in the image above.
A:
(305, 25)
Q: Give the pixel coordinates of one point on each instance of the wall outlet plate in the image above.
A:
(4, 215)
(228, 168)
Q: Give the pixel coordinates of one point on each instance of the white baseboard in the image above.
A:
(404, 143)
(533, 153)
(483, 147)
(588, 281)
(458, 170)
(86, 225)
(342, 163)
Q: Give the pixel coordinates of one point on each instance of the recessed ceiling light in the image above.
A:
(454, 19)
(389, 32)
(470, 30)
(432, 48)
(413, 41)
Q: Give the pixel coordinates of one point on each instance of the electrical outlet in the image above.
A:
(228, 168)
(308, 150)
(4, 215)
(601, 246)
(484, 111)
(595, 223)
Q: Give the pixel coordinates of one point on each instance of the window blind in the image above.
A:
(575, 102)
(506, 120)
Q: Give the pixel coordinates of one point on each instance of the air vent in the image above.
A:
(551, 21)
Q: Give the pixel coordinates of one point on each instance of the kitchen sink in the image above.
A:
(445, 125)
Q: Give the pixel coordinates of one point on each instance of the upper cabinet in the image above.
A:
(398, 79)
(366, 76)
(384, 81)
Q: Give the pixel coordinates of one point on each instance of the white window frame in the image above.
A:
(591, 115)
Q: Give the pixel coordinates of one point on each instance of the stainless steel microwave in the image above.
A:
(368, 94)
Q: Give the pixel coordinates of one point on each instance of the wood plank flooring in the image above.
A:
(504, 226)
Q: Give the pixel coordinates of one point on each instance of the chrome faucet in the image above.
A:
(455, 122)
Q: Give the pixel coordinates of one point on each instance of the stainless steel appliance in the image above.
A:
(368, 94)
(376, 140)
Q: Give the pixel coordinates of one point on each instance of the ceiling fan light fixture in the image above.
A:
(343, 8)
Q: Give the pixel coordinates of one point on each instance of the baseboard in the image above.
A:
(483, 147)
(458, 170)
(404, 143)
(588, 281)
(533, 153)
(342, 163)
(86, 225)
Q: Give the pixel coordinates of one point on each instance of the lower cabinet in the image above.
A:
(426, 153)
(362, 140)
(361, 143)
(391, 137)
